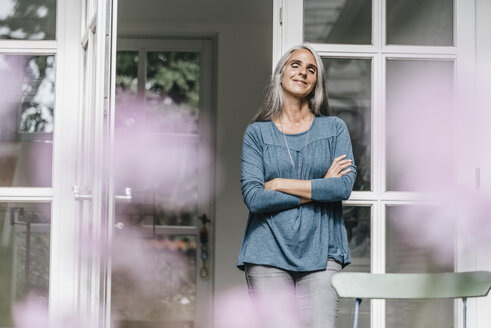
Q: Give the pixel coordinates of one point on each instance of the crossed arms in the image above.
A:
(281, 194)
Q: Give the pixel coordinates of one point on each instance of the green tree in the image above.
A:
(31, 20)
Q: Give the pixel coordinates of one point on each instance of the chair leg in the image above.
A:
(357, 312)
(464, 300)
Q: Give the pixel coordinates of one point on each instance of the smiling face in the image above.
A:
(300, 74)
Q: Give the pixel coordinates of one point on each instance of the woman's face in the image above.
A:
(300, 74)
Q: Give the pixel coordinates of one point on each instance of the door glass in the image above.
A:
(414, 245)
(172, 91)
(339, 21)
(357, 222)
(28, 20)
(422, 22)
(127, 104)
(26, 120)
(349, 89)
(154, 279)
(24, 254)
(157, 147)
(419, 124)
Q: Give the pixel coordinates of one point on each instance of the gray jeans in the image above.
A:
(293, 299)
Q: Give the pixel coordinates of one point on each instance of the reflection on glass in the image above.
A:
(24, 254)
(349, 89)
(27, 86)
(161, 288)
(407, 251)
(420, 22)
(338, 21)
(27, 19)
(419, 124)
(357, 222)
(172, 91)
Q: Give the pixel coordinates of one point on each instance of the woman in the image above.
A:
(297, 167)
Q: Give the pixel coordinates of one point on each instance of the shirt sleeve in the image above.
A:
(258, 199)
(336, 189)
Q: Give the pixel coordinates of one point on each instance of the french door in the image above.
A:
(162, 161)
(385, 61)
(144, 178)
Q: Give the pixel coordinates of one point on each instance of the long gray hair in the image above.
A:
(273, 102)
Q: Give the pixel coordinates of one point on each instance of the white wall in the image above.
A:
(243, 30)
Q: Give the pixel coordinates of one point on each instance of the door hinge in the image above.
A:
(281, 15)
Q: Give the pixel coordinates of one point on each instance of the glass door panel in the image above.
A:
(412, 246)
(158, 151)
(349, 88)
(26, 120)
(172, 91)
(421, 22)
(160, 291)
(24, 254)
(419, 124)
(357, 220)
(339, 21)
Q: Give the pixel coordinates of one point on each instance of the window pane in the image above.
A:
(24, 254)
(28, 20)
(420, 22)
(339, 21)
(349, 89)
(160, 165)
(158, 288)
(128, 115)
(409, 247)
(419, 124)
(27, 85)
(172, 91)
(357, 222)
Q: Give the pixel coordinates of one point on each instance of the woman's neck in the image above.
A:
(295, 111)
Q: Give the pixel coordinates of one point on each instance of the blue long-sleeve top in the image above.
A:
(280, 231)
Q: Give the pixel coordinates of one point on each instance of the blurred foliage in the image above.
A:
(127, 70)
(171, 91)
(175, 75)
(37, 101)
(29, 20)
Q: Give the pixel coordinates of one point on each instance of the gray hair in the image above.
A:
(273, 102)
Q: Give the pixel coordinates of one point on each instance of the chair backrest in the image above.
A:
(412, 285)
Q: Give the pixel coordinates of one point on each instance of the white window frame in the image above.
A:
(62, 298)
(288, 31)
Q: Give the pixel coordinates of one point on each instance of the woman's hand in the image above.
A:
(337, 166)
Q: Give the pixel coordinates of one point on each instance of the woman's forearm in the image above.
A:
(299, 188)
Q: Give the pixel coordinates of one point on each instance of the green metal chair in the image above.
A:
(407, 286)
